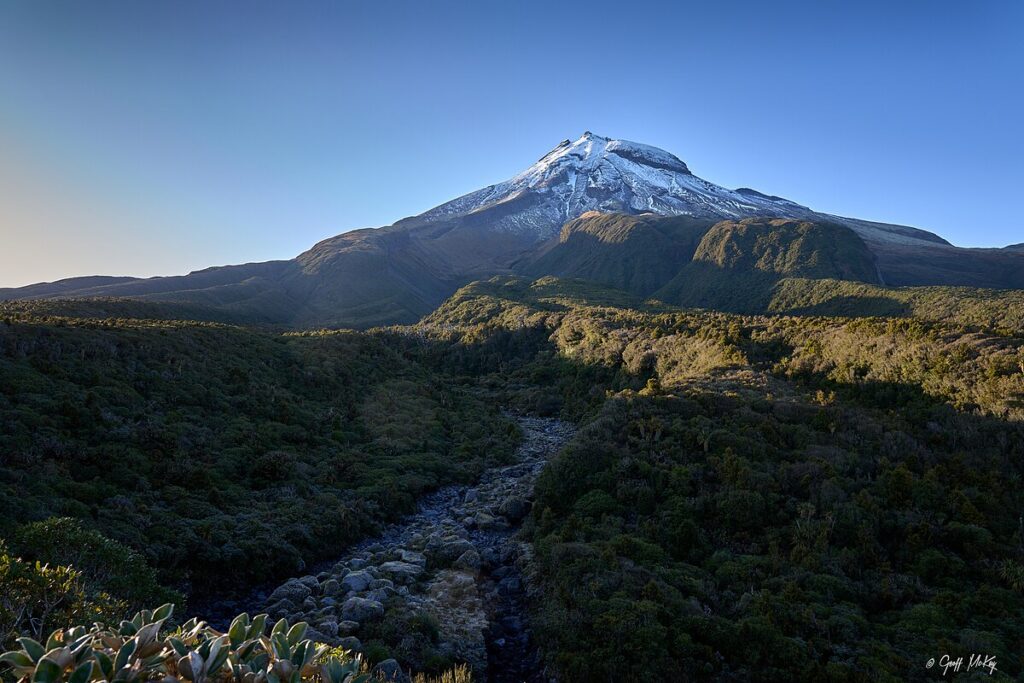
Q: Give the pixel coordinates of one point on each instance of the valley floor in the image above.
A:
(448, 580)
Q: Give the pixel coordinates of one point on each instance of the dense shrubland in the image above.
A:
(777, 498)
(217, 456)
(749, 497)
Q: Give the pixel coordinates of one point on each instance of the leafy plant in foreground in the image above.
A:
(136, 650)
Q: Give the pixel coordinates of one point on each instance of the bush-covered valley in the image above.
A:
(759, 497)
(216, 456)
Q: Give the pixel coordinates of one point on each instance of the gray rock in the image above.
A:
(441, 553)
(350, 643)
(347, 628)
(413, 557)
(309, 603)
(486, 522)
(402, 572)
(310, 582)
(380, 594)
(293, 590)
(280, 607)
(328, 628)
(514, 509)
(361, 609)
(468, 561)
(331, 587)
(357, 581)
(357, 563)
(382, 583)
(390, 671)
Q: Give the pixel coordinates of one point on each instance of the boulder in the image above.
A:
(310, 582)
(441, 553)
(361, 609)
(281, 608)
(347, 628)
(468, 561)
(486, 522)
(389, 671)
(350, 643)
(328, 628)
(356, 581)
(331, 587)
(292, 590)
(413, 557)
(402, 572)
(514, 509)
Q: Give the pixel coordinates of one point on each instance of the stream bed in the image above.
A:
(457, 560)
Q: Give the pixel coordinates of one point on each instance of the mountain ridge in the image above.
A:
(398, 273)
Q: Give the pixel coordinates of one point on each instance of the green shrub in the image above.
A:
(145, 649)
(105, 565)
(35, 597)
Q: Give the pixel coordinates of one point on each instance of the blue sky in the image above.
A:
(147, 138)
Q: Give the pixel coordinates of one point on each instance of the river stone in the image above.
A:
(486, 522)
(361, 609)
(350, 643)
(442, 553)
(293, 591)
(413, 557)
(280, 609)
(389, 671)
(468, 561)
(347, 628)
(514, 509)
(357, 581)
(380, 594)
(310, 582)
(402, 572)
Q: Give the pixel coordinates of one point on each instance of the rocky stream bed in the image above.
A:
(457, 561)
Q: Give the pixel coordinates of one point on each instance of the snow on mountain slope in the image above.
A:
(596, 173)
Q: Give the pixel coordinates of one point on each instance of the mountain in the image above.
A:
(398, 273)
(637, 254)
(737, 263)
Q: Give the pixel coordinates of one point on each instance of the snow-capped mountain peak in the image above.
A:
(596, 173)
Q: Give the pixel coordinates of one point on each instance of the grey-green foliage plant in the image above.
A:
(137, 650)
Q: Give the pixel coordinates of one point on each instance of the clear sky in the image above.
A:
(146, 138)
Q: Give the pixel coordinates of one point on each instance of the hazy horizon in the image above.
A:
(150, 140)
